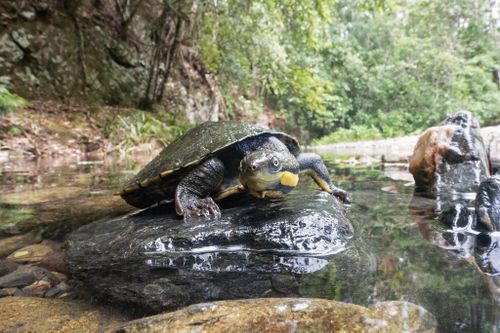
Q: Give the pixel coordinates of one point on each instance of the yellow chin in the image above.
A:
(289, 179)
(259, 184)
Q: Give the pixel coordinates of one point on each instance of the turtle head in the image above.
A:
(268, 173)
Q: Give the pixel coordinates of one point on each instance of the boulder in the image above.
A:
(257, 248)
(287, 315)
(451, 157)
(26, 314)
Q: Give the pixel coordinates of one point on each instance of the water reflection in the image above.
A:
(241, 261)
(400, 250)
(424, 252)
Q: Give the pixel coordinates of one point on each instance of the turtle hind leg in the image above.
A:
(318, 171)
(192, 195)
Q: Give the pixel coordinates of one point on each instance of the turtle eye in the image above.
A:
(275, 162)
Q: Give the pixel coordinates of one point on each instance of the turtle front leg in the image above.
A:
(192, 194)
(318, 171)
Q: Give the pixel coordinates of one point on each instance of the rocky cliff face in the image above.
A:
(103, 52)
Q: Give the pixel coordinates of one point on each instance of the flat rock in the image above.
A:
(27, 314)
(258, 248)
(286, 315)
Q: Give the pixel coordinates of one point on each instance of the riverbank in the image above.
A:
(70, 131)
(400, 149)
(50, 129)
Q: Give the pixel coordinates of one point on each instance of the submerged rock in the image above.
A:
(34, 253)
(47, 254)
(451, 157)
(157, 261)
(13, 243)
(26, 314)
(26, 275)
(7, 266)
(287, 315)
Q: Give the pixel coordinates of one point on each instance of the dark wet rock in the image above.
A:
(286, 315)
(28, 314)
(7, 266)
(56, 210)
(451, 157)
(155, 260)
(13, 243)
(488, 204)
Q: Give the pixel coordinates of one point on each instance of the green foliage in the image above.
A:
(389, 67)
(142, 126)
(10, 102)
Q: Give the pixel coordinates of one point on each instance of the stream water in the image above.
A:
(404, 253)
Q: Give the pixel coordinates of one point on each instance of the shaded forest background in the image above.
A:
(340, 69)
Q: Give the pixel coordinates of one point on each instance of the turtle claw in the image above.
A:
(342, 195)
(205, 207)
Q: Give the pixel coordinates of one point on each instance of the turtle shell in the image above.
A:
(159, 178)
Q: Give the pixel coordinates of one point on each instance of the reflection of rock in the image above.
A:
(287, 315)
(455, 216)
(156, 260)
(24, 314)
(488, 203)
(55, 209)
(487, 252)
(413, 318)
(450, 157)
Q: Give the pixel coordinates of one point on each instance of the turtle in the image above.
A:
(217, 159)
